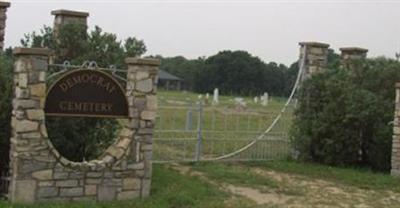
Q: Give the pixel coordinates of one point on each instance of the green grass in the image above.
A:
(361, 178)
(169, 189)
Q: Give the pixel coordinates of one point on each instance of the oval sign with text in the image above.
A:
(86, 93)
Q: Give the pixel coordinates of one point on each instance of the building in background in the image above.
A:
(168, 81)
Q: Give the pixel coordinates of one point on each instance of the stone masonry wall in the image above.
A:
(3, 17)
(40, 173)
(316, 56)
(395, 162)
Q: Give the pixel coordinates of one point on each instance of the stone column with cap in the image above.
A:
(63, 17)
(3, 17)
(28, 156)
(395, 162)
(142, 76)
(350, 54)
(314, 55)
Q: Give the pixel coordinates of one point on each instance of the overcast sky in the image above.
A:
(193, 28)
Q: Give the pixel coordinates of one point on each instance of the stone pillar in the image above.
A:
(350, 54)
(142, 76)
(316, 57)
(63, 17)
(27, 125)
(3, 17)
(395, 162)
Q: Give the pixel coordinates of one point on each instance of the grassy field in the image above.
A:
(258, 184)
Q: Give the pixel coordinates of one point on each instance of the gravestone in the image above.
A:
(264, 99)
(207, 98)
(255, 99)
(216, 97)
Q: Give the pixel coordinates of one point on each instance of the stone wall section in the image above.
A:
(316, 58)
(40, 173)
(3, 17)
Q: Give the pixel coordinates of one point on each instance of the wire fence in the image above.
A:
(200, 133)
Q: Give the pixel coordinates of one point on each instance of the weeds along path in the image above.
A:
(269, 188)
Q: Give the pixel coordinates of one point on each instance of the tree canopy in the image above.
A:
(233, 72)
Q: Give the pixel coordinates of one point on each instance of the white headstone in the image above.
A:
(240, 104)
(207, 98)
(200, 97)
(255, 99)
(215, 97)
(264, 99)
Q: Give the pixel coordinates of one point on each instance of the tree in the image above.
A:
(6, 77)
(183, 68)
(344, 114)
(238, 72)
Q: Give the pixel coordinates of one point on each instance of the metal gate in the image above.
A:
(204, 133)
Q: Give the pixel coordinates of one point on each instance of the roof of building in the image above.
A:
(167, 76)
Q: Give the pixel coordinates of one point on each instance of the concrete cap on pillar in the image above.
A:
(314, 44)
(31, 51)
(4, 4)
(397, 85)
(69, 13)
(143, 61)
(353, 50)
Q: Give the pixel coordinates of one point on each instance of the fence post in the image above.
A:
(189, 118)
(199, 132)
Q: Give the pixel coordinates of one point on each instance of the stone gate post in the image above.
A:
(63, 17)
(3, 17)
(350, 54)
(316, 57)
(27, 155)
(141, 92)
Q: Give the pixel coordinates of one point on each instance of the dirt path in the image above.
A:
(298, 191)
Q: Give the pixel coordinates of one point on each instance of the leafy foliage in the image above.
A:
(238, 72)
(5, 106)
(233, 72)
(183, 68)
(344, 114)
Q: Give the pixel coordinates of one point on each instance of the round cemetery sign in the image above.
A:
(86, 93)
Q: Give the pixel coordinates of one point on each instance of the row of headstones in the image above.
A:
(238, 100)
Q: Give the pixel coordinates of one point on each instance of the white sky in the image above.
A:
(193, 28)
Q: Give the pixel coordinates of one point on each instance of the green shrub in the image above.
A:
(344, 115)
(5, 106)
